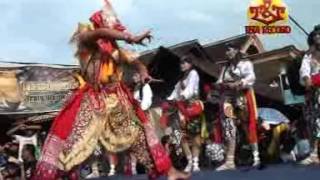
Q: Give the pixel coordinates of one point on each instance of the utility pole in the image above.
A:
(299, 26)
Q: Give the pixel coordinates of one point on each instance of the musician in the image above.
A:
(185, 98)
(238, 103)
(142, 92)
(310, 78)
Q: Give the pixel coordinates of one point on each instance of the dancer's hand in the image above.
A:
(239, 85)
(308, 83)
(140, 38)
(234, 85)
(230, 85)
(183, 122)
(23, 127)
(145, 77)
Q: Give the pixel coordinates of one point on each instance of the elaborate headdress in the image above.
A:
(185, 58)
(106, 18)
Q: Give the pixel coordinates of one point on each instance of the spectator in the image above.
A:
(11, 172)
(29, 160)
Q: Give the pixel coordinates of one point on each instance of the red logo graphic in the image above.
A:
(265, 17)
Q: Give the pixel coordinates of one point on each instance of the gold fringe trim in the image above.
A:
(100, 129)
(117, 114)
(84, 146)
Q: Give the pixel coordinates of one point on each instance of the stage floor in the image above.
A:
(275, 172)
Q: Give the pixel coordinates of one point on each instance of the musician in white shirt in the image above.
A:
(185, 98)
(190, 84)
(142, 92)
(237, 78)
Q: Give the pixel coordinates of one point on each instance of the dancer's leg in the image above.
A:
(196, 146)
(141, 152)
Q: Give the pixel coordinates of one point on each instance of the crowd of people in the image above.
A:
(19, 156)
(106, 128)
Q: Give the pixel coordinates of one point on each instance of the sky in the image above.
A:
(39, 30)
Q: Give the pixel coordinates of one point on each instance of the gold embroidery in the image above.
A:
(116, 129)
(120, 130)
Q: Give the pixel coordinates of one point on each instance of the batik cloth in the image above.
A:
(243, 100)
(310, 68)
(110, 118)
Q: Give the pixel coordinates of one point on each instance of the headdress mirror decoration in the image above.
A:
(106, 18)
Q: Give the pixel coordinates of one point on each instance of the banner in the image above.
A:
(27, 89)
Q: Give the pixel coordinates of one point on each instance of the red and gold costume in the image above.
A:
(102, 111)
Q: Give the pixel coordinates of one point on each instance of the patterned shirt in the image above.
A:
(309, 66)
(191, 87)
(243, 71)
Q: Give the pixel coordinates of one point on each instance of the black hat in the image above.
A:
(315, 31)
(231, 45)
(185, 58)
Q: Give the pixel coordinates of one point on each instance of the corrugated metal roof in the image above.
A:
(4, 64)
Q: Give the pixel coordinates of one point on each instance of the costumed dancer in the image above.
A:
(310, 78)
(238, 103)
(185, 97)
(102, 111)
(143, 94)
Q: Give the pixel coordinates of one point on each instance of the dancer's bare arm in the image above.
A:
(106, 33)
(142, 69)
(15, 129)
(307, 82)
(23, 127)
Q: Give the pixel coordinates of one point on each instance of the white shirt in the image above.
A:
(146, 99)
(309, 66)
(22, 140)
(243, 71)
(191, 90)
